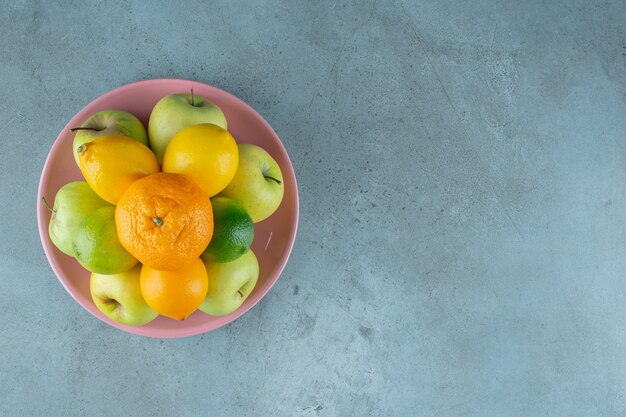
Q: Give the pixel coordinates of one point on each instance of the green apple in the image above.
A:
(175, 112)
(119, 297)
(258, 183)
(109, 122)
(73, 202)
(97, 247)
(230, 284)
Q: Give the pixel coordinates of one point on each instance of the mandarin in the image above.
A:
(165, 220)
(175, 294)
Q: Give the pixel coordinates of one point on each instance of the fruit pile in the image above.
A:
(164, 221)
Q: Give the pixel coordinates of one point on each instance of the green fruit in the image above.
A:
(258, 183)
(109, 122)
(73, 202)
(233, 231)
(97, 247)
(230, 284)
(175, 112)
(119, 297)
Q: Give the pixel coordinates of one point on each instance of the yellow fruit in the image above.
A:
(111, 163)
(206, 153)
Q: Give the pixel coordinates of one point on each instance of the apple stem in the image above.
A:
(241, 294)
(271, 178)
(157, 221)
(85, 128)
(193, 103)
(45, 203)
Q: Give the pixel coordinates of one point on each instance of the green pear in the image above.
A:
(230, 283)
(109, 122)
(175, 112)
(97, 247)
(118, 297)
(73, 202)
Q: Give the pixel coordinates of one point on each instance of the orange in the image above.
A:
(165, 220)
(111, 163)
(206, 153)
(175, 294)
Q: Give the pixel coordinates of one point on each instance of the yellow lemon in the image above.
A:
(111, 163)
(206, 153)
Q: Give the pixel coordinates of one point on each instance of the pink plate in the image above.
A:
(273, 239)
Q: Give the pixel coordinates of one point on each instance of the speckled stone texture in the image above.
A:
(462, 241)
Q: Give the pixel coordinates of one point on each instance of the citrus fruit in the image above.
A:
(175, 112)
(165, 220)
(96, 245)
(175, 294)
(230, 283)
(108, 122)
(233, 231)
(111, 163)
(206, 153)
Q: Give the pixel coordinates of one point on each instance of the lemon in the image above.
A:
(206, 153)
(111, 163)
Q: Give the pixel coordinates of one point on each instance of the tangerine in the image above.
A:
(175, 294)
(165, 220)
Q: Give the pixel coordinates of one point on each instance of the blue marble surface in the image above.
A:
(462, 242)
